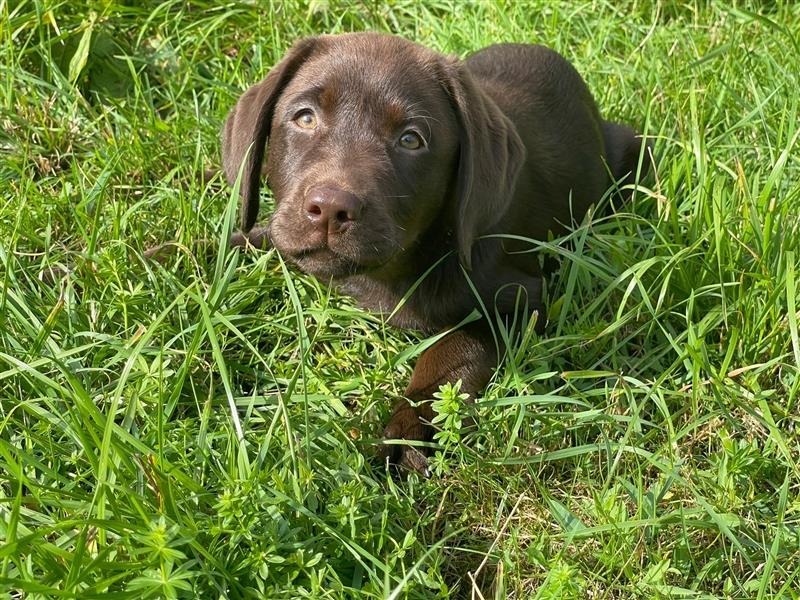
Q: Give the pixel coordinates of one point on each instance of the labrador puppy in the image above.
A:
(395, 168)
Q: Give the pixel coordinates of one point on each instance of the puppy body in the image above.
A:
(563, 173)
(393, 166)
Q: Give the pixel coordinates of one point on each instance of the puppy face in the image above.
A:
(361, 157)
(374, 143)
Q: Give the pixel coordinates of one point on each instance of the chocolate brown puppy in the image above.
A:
(391, 163)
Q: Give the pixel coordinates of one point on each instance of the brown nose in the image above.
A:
(332, 210)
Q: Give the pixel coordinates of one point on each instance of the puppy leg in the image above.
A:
(468, 354)
(257, 238)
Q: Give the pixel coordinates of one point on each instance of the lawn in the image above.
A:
(205, 428)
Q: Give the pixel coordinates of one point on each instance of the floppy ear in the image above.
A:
(248, 127)
(491, 155)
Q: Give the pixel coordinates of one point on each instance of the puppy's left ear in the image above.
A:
(491, 156)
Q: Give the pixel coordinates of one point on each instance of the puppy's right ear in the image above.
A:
(248, 127)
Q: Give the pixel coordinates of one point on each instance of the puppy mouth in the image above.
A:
(323, 262)
(331, 257)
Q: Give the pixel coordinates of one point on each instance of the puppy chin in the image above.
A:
(324, 264)
(328, 259)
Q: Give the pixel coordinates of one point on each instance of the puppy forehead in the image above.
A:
(395, 82)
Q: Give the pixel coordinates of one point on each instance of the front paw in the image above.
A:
(406, 424)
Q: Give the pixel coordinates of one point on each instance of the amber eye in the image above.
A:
(305, 119)
(411, 140)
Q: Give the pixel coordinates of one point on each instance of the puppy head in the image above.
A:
(374, 142)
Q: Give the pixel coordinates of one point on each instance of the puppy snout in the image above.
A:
(332, 210)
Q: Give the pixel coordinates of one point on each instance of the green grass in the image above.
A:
(646, 447)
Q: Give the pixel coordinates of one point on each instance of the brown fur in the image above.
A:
(512, 144)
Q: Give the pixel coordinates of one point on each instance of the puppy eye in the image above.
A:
(305, 119)
(411, 140)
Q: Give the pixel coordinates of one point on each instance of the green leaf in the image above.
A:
(78, 61)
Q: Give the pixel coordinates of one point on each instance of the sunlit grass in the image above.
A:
(645, 447)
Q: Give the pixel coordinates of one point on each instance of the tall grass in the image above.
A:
(203, 429)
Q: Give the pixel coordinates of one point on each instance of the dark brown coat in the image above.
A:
(391, 164)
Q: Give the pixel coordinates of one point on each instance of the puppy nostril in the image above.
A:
(342, 216)
(314, 209)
